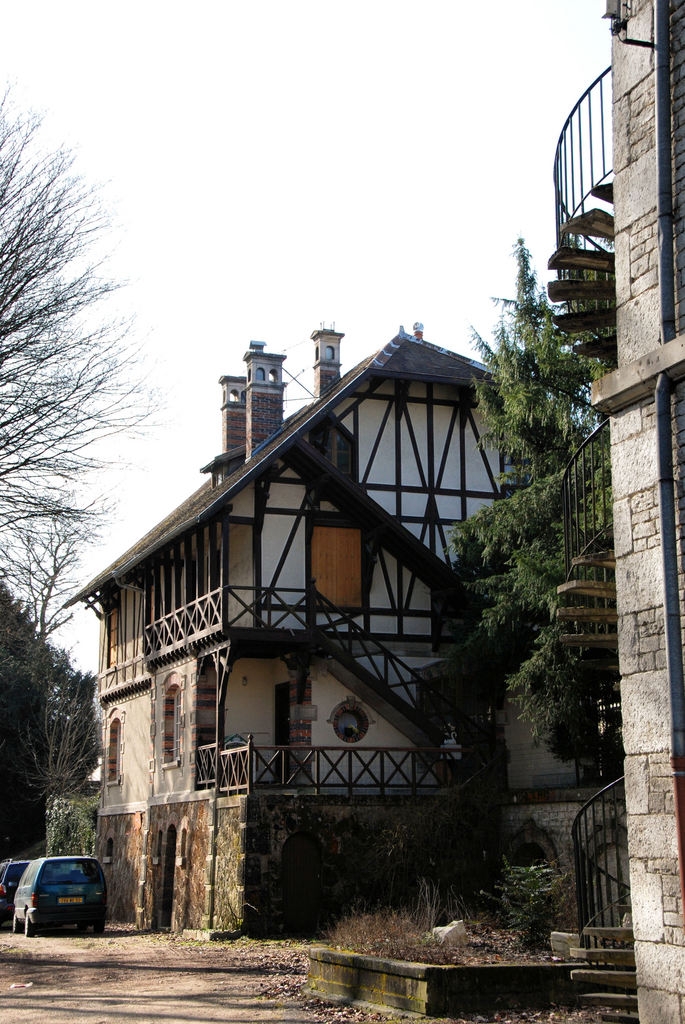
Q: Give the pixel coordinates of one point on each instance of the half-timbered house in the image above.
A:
(271, 660)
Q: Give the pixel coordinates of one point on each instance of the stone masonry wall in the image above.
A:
(119, 849)
(543, 818)
(655, 889)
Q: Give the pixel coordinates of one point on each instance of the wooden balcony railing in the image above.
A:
(188, 625)
(342, 770)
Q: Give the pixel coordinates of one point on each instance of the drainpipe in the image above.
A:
(664, 423)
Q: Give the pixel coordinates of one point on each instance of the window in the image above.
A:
(336, 446)
(260, 373)
(330, 352)
(172, 724)
(350, 721)
(114, 751)
(112, 636)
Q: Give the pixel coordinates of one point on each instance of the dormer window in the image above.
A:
(336, 445)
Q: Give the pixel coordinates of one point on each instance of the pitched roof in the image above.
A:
(403, 357)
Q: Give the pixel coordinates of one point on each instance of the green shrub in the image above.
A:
(528, 899)
(70, 825)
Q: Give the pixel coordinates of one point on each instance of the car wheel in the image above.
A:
(29, 927)
(16, 924)
(99, 927)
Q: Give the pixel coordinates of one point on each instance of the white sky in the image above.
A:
(273, 165)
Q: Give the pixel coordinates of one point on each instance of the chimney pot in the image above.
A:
(326, 359)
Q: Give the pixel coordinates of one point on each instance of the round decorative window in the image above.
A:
(350, 721)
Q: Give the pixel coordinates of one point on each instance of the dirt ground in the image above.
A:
(124, 976)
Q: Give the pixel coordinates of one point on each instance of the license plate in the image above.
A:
(70, 899)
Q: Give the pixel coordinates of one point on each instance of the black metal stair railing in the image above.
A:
(584, 154)
(587, 501)
(600, 846)
(588, 597)
(584, 257)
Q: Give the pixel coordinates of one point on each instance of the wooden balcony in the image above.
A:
(347, 771)
(185, 628)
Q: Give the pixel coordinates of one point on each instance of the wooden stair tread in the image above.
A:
(586, 320)
(608, 999)
(610, 979)
(579, 289)
(601, 559)
(589, 588)
(568, 258)
(592, 224)
(610, 933)
(621, 1017)
(598, 348)
(579, 614)
(599, 664)
(598, 955)
(607, 640)
(605, 192)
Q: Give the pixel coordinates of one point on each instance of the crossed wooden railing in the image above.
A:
(190, 624)
(374, 770)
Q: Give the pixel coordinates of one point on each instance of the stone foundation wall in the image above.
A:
(345, 833)
(119, 848)
(229, 874)
(542, 818)
(191, 821)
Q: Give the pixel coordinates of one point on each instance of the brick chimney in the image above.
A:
(264, 395)
(233, 412)
(326, 359)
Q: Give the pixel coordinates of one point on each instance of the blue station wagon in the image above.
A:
(60, 890)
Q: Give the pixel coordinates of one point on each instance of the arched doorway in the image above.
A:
(168, 870)
(301, 883)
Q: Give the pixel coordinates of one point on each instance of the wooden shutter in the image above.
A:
(337, 564)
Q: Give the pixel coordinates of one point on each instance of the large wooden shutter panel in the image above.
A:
(337, 564)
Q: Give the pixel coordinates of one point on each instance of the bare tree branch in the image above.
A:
(39, 563)
(68, 377)
(61, 747)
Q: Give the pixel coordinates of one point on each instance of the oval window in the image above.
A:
(350, 722)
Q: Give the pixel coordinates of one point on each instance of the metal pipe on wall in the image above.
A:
(664, 422)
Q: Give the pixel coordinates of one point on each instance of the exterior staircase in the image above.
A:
(610, 971)
(584, 259)
(588, 596)
(600, 846)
